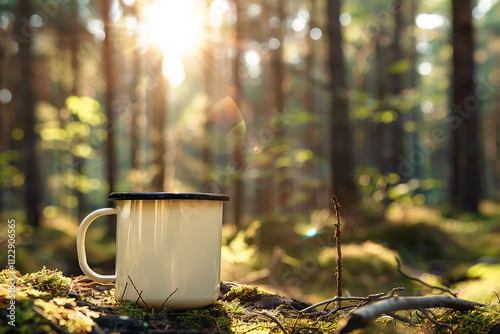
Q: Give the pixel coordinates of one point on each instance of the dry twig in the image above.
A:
(139, 293)
(337, 242)
(363, 300)
(434, 321)
(168, 297)
(273, 318)
(422, 282)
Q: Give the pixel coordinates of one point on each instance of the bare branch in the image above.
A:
(168, 297)
(336, 299)
(339, 250)
(434, 321)
(273, 318)
(422, 282)
(496, 294)
(370, 298)
(139, 293)
(362, 316)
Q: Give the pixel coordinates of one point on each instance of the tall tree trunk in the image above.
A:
(466, 155)
(33, 189)
(239, 193)
(278, 72)
(135, 98)
(411, 79)
(158, 132)
(396, 84)
(208, 54)
(379, 146)
(312, 129)
(342, 161)
(263, 184)
(109, 74)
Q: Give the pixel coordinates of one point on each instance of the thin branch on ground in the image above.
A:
(422, 282)
(273, 318)
(295, 322)
(124, 290)
(496, 294)
(362, 316)
(369, 298)
(434, 321)
(400, 318)
(329, 301)
(166, 300)
(140, 294)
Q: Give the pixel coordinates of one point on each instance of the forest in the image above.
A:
(392, 106)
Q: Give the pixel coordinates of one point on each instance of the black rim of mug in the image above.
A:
(167, 195)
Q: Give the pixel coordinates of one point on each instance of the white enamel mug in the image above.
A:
(168, 247)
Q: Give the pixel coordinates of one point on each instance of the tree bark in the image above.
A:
(109, 75)
(464, 115)
(208, 56)
(363, 315)
(158, 132)
(396, 84)
(136, 103)
(239, 159)
(342, 160)
(278, 73)
(33, 189)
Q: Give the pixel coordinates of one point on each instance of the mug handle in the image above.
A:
(80, 245)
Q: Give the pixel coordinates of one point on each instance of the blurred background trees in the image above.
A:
(280, 104)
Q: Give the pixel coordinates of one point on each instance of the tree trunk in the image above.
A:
(208, 56)
(239, 159)
(33, 189)
(464, 117)
(342, 160)
(313, 130)
(136, 104)
(109, 75)
(263, 184)
(396, 84)
(158, 132)
(278, 72)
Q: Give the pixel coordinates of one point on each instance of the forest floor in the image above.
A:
(48, 302)
(291, 256)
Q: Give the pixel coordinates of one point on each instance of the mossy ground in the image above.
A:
(48, 301)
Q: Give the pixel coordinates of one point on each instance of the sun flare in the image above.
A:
(175, 28)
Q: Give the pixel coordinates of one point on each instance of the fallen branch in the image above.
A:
(422, 282)
(434, 321)
(362, 316)
(370, 298)
(273, 318)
